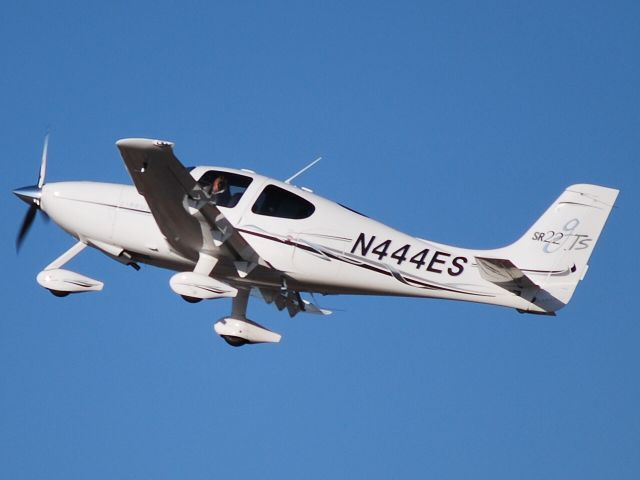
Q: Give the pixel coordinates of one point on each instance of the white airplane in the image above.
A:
(232, 233)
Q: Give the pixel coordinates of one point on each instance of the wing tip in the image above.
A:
(143, 143)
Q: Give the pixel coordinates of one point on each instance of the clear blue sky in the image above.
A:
(477, 114)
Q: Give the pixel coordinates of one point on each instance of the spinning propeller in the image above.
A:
(31, 196)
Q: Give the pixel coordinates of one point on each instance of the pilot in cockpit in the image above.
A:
(220, 191)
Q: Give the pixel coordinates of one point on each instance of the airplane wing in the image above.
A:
(179, 205)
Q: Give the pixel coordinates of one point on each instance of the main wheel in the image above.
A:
(234, 341)
(191, 299)
(59, 293)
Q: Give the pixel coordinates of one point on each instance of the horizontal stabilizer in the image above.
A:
(505, 274)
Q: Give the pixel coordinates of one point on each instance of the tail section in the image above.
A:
(549, 260)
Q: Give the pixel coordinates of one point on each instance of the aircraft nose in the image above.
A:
(29, 195)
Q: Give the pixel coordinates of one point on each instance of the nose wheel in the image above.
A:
(237, 330)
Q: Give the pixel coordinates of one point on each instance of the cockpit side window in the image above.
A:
(278, 202)
(225, 188)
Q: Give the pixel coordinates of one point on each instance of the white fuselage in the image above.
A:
(335, 250)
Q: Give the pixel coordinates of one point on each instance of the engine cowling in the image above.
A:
(238, 332)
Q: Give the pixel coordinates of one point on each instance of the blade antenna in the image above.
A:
(297, 174)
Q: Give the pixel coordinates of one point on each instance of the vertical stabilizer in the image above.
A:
(554, 252)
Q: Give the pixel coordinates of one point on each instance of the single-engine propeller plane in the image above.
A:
(234, 233)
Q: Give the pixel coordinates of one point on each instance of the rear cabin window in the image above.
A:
(225, 188)
(278, 202)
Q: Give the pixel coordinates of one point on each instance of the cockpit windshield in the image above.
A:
(225, 188)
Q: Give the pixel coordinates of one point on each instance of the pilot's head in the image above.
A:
(220, 184)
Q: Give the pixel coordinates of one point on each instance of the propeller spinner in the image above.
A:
(31, 196)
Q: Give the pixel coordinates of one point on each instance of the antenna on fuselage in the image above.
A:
(288, 180)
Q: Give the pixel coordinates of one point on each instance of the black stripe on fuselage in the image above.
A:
(420, 283)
